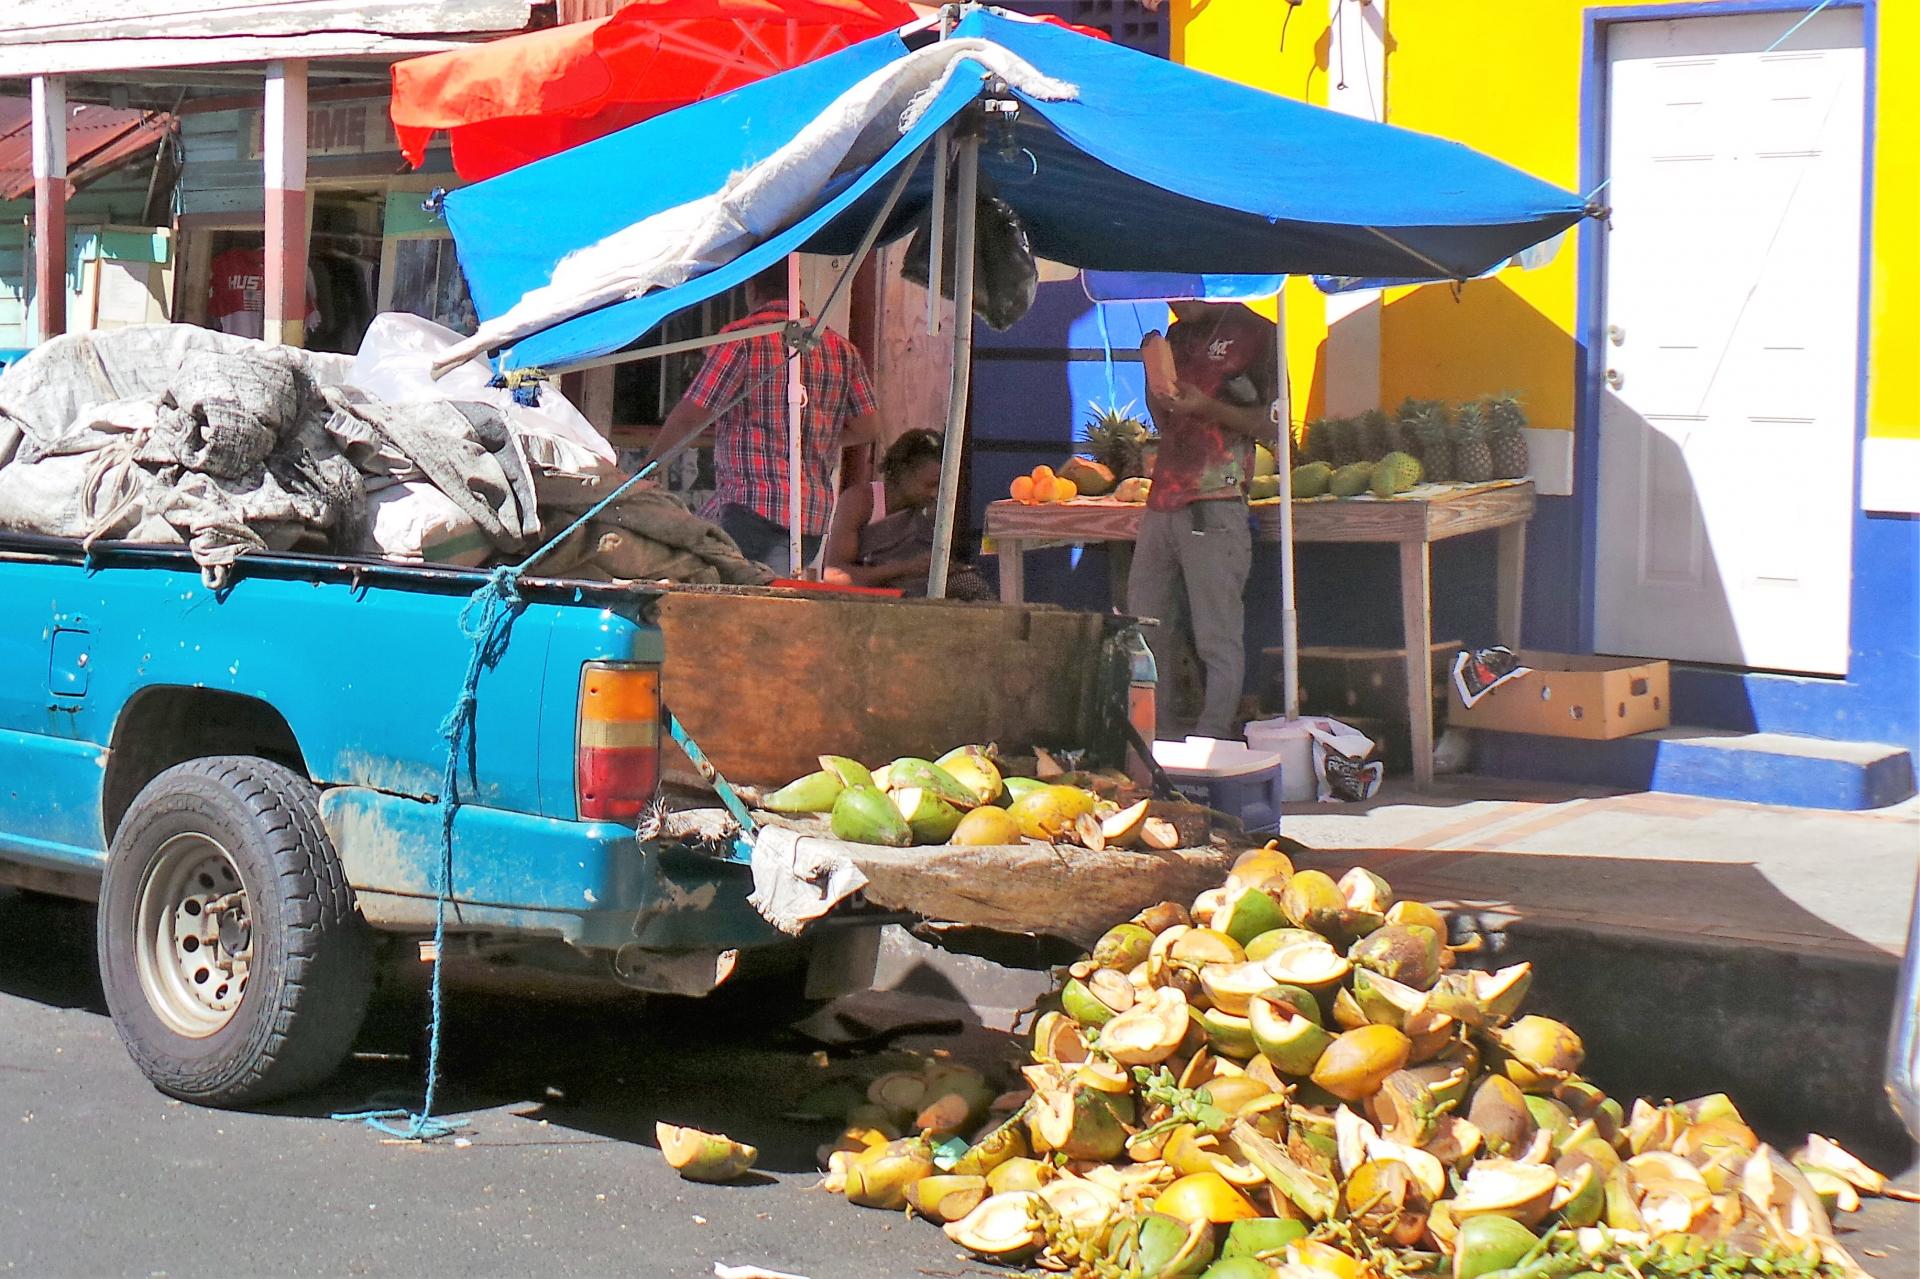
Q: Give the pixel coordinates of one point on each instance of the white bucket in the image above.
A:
(1289, 739)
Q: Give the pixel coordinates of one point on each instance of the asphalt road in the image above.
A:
(102, 1176)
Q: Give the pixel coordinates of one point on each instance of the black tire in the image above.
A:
(310, 953)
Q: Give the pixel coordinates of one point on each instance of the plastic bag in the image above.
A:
(1006, 280)
(395, 364)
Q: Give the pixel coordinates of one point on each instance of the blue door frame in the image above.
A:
(1590, 346)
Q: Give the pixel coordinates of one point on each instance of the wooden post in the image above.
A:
(284, 132)
(50, 204)
(966, 186)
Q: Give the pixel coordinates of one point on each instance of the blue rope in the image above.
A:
(486, 620)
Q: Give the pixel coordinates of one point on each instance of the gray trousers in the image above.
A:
(1192, 564)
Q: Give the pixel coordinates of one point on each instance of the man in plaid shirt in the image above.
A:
(753, 490)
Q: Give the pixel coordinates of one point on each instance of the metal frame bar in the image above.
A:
(675, 348)
(967, 182)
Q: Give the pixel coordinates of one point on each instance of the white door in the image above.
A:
(1731, 301)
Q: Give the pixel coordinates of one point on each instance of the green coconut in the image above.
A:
(1292, 1042)
(864, 815)
(814, 793)
(851, 772)
(1488, 1243)
(1249, 915)
(931, 818)
(1408, 953)
(1265, 1238)
(911, 771)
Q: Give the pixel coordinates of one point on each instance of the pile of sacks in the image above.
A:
(180, 435)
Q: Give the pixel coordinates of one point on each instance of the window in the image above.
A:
(645, 391)
(428, 282)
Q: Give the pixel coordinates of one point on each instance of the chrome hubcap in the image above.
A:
(195, 935)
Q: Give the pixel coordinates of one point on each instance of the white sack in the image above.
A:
(416, 521)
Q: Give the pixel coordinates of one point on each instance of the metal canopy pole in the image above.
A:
(796, 385)
(1283, 457)
(796, 413)
(966, 186)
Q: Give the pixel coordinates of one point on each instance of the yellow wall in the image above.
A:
(1893, 338)
(1505, 78)
(1240, 39)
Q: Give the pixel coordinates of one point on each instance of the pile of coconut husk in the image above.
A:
(1295, 1076)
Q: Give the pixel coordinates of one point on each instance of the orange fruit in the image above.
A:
(1064, 489)
(1021, 490)
(1043, 483)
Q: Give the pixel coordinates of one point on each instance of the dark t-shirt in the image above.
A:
(1228, 356)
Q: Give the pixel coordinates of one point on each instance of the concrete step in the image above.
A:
(1759, 768)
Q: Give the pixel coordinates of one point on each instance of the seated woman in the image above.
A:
(882, 532)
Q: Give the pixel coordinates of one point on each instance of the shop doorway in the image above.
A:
(1728, 340)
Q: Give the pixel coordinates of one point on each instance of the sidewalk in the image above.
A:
(1698, 945)
(1833, 883)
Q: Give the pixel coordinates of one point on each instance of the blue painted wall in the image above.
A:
(1034, 383)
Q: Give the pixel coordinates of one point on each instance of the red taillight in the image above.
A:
(617, 751)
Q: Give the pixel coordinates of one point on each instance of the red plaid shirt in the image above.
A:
(750, 440)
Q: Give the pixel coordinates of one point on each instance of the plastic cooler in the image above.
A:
(1289, 739)
(1228, 776)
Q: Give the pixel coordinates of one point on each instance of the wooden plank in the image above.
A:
(1013, 570)
(874, 679)
(99, 57)
(1510, 583)
(50, 204)
(1416, 616)
(1338, 520)
(1475, 512)
(1446, 514)
(40, 21)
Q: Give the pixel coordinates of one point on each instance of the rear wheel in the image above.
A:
(235, 962)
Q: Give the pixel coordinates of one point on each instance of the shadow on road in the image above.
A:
(575, 1072)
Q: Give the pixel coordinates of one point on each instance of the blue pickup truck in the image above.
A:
(245, 778)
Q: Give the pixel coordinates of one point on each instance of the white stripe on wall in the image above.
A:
(1890, 476)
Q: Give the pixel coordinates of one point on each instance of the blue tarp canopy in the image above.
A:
(1151, 167)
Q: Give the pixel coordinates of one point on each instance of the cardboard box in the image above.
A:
(1596, 698)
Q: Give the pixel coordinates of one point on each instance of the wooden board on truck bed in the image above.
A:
(767, 680)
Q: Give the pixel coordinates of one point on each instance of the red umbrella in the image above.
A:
(517, 99)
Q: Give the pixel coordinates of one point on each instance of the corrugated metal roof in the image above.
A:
(98, 139)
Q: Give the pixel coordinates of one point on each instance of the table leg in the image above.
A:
(1416, 617)
(1511, 583)
(1013, 570)
(1119, 573)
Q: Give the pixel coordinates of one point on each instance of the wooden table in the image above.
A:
(1412, 522)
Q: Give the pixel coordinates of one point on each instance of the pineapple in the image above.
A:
(1472, 453)
(1340, 441)
(1303, 442)
(1425, 422)
(1506, 438)
(1378, 435)
(1118, 439)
